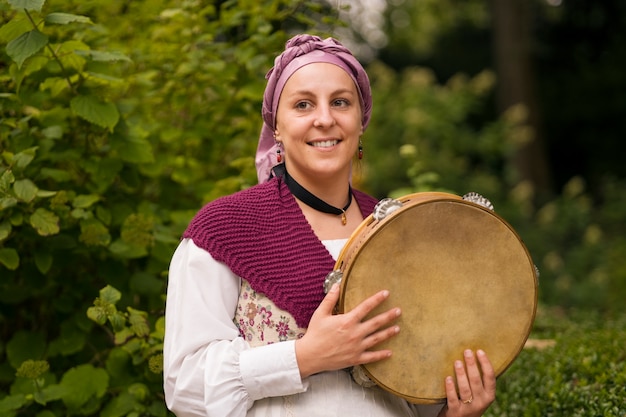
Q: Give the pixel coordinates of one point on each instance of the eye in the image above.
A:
(341, 102)
(302, 105)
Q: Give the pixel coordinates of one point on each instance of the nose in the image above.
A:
(324, 117)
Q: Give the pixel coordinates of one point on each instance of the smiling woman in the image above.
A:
(250, 270)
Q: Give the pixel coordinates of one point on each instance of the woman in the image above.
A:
(249, 330)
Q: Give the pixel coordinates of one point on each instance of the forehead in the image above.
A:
(319, 75)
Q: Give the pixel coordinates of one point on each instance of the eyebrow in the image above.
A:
(312, 93)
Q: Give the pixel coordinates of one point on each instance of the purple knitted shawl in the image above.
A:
(263, 237)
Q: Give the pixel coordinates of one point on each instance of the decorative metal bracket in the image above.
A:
(478, 199)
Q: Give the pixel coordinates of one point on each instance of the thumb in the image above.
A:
(327, 306)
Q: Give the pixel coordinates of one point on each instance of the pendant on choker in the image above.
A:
(315, 202)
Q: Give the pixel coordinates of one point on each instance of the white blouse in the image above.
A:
(209, 370)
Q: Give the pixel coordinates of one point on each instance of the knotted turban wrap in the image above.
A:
(299, 51)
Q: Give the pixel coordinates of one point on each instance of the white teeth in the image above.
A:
(325, 143)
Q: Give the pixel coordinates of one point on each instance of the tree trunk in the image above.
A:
(512, 34)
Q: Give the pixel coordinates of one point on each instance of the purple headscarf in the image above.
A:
(299, 51)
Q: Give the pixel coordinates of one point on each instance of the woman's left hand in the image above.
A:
(476, 387)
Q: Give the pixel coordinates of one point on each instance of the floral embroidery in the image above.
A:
(256, 319)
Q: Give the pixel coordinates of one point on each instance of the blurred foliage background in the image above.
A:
(119, 120)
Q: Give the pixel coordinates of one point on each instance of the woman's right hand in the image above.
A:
(337, 341)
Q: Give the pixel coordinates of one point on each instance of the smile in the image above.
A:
(324, 143)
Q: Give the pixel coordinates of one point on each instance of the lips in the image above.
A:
(324, 143)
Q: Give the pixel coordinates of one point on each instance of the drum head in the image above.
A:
(463, 279)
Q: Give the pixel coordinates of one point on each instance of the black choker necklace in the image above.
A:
(312, 201)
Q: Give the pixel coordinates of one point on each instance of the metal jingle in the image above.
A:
(385, 207)
(332, 278)
(478, 199)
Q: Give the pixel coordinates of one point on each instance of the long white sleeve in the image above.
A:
(209, 370)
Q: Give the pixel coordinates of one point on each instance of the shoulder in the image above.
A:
(245, 201)
(236, 210)
(366, 202)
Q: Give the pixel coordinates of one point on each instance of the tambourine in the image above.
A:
(462, 277)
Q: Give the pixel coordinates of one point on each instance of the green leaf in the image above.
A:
(68, 56)
(25, 46)
(95, 111)
(43, 261)
(52, 393)
(30, 5)
(122, 405)
(82, 383)
(97, 314)
(14, 28)
(58, 175)
(127, 250)
(24, 346)
(24, 158)
(118, 321)
(55, 85)
(9, 258)
(110, 295)
(102, 79)
(94, 233)
(65, 18)
(12, 402)
(85, 200)
(138, 322)
(46, 193)
(5, 230)
(25, 190)
(71, 340)
(53, 132)
(7, 202)
(45, 222)
(6, 179)
(105, 56)
(134, 149)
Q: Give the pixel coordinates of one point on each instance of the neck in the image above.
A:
(317, 203)
(331, 190)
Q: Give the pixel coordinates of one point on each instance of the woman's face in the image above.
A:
(319, 122)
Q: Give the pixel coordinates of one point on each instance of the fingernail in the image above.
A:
(468, 353)
(334, 288)
(458, 364)
(385, 293)
(398, 312)
(396, 329)
(480, 352)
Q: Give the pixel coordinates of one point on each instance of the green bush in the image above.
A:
(118, 120)
(582, 374)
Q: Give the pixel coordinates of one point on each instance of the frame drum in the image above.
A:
(462, 277)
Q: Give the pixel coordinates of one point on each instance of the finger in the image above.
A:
(473, 373)
(465, 391)
(451, 394)
(373, 356)
(380, 336)
(489, 375)
(365, 307)
(329, 302)
(372, 326)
